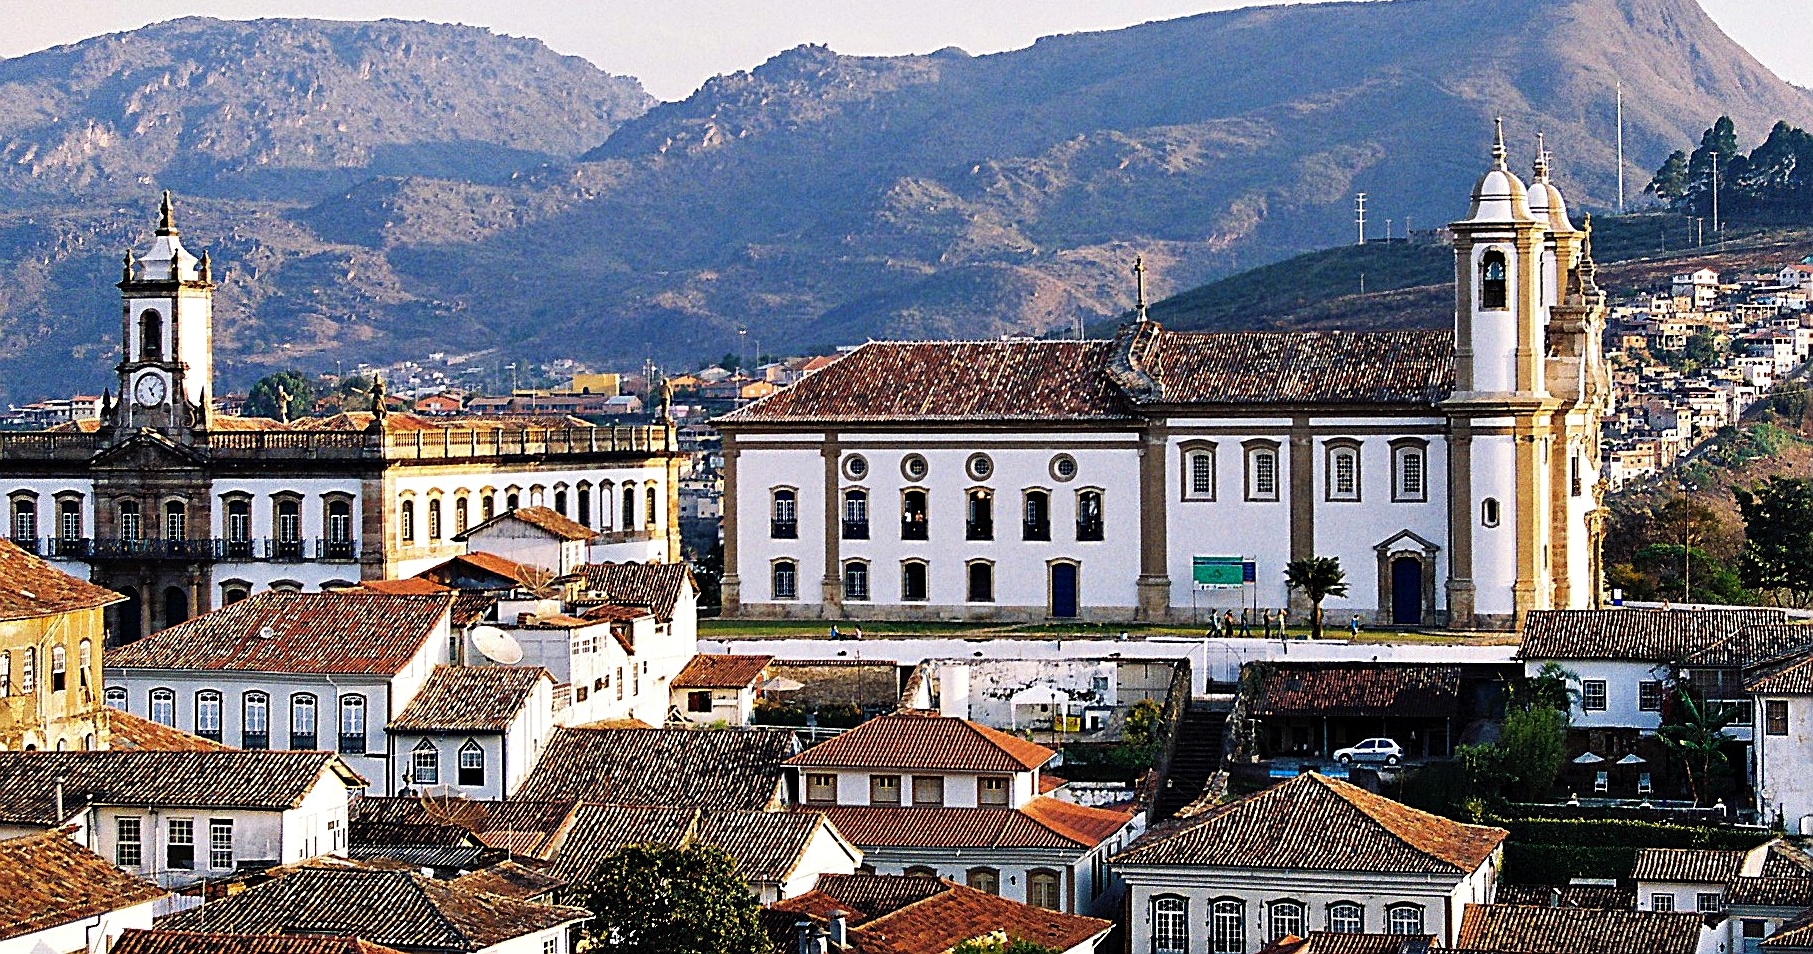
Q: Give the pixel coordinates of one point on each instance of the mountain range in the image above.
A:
(382, 190)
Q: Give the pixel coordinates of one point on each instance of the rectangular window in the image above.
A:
(180, 853)
(550, 945)
(1592, 695)
(1709, 902)
(352, 725)
(1661, 901)
(1200, 474)
(821, 788)
(786, 580)
(1411, 479)
(128, 842)
(1649, 695)
(884, 789)
(1262, 474)
(220, 843)
(472, 764)
(1344, 473)
(1170, 926)
(928, 789)
(698, 701)
(1775, 717)
(993, 789)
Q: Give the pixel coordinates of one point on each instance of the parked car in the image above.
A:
(1372, 750)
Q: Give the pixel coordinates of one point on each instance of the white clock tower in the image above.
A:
(167, 335)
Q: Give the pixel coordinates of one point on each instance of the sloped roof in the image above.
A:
(1702, 865)
(655, 585)
(469, 699)
(47, 880)
(489, 564)
(30, 587)
(1517, 929)
(395, 908)
(129, 733)
(1328, 942)
(599, 831)
(135, 941)
(511, 880)
(767, 846)
(407, 586)
(1413, 368)
(1754, 644)
(928, 916)
(1320, 824)
(344, 631)
(723, 769)
(521, 826)
(708, 671)
(1641, 635)
(545, 519)
(1357, 689)
(1043, 822)
(1791, 675)
(252, 780)
(1569, 895)
(907, 740)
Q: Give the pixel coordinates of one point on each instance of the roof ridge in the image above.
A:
(1344, 790)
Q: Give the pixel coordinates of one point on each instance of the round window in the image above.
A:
(980, 467)
(914, 467)
(856, 467)
(1063, 467)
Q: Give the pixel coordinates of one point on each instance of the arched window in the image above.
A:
(176, 520)
(1227, 927)
(913, 588)
(239, 527)
(1285, 920)
(786, 580)
(1199, 472)
(1488, 512)
(1343, 477)
(512, 501)
(1170, 925)
(176, 605)
(1042, 889)
(921, 871)
(302, 722)
(59, 669)
(856, 581)
(487, 507)
(132, 527)
(1035, 517)
(1409, 471)
(150, 336)
(207, 714)
(650, 509)
(25, 522)
(84, 661)
(434, 520)
(406, 529)
(462, 515)
(585, 505)
(234, 591)
(1346, 917)
(425, 764)
(981, 579)
(472, 763)
(1493, 288)
(985, 880)
(783, 519)
(1089, 515)
(352, 725)
(629, 507)
(979, 524)
(913, 517)
(1404, 919)
(115, 696)
(560, 502)
(856, 515)
(255, 722)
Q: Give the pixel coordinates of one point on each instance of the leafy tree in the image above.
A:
(286, 395)
(1670, 182)
(652, 899)
(999, 943)
(1778, 548)
(1142, 723)
(1720, 139)
(1533, 747)
(1551, 687)
(1696, 736)
(1318, 578)
(1779, 173)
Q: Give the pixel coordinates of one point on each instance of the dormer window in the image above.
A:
(1493, 288)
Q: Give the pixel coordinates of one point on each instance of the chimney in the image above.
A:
(59, 798)
(840, 930)
(1554, 897)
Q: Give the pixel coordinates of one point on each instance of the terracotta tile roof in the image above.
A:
(134, 941)
(913, 741)
(47, 880)
(407, 586)
(523, 827)
(598, 831)
(1771, 891)
(1644, 635)
(1297, 367)
(1043, 823)
(1357, 689)
(1317, 823)
(1791, 675)
(1570, 895)
(395, 908)
(655, 585)
(950, 381)
(938, 921)
(129, 733)
(347, 631)
(767, 846)
(1793, 935)
(1325, 942)
(707, 671)
(469, 699)
(511, 880)
(31, 587)
(1517, 929)
(253, 780)
(488, 564)
(1703, 865)
(472, 608)
(721, 768)
(612, 612)
(863, 897)
(541, 518)
(1755, 644)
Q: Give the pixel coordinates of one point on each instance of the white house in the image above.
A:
(718, 688)
(1783, 735)
(58, 897)
(883, 914)
(1163, 471)
(291, 671)
(1311, 854)
(178, 817)
(474, 731)
(946, 797)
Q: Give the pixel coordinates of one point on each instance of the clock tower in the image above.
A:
(166, 364)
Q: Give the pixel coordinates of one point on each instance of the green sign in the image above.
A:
(1218, 570)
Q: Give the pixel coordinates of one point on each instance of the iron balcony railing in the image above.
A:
(856, 529)
(781, 529)
(194, 550)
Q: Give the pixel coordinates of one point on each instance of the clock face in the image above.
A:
(150, 390)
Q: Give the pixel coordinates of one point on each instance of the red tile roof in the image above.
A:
(407, 586)
(469, 699)
(1686, 865)
(491, 563)
(657, 586)
(1516, 929)
(47, 880)
(1042, 823)
(511, 880)
(541, 518)
(1643, 635)
(1321, 824)
(720, 768)
(913, 741)
(1791, 675)
(134, 941)
(707, 671)
(347, 631)
(1326, 942)
(1293, 367)
(30, 587)
(1366, 690)
(129, 733)
(927, 916)
(252, 780)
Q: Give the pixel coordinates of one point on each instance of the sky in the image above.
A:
(674, 45)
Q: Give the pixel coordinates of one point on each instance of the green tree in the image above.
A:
(1670, 182)
(1142, 723)
(999, 943)
(1317, 578)
(652, 899)
(1718, 149)
(1777, 558)
(1552, 687)
(1779, 173)
(286, 395)
(1696, 736)
(1532, 747)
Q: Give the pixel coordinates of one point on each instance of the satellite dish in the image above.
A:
(267, 633)
(496, 645)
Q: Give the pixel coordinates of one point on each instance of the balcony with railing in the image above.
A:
(783, 528)
(856, 528)
(913, 526)
(433, 443)
(1033, 528)
(1089, 529)
(302, 741)
(255, 740)
(351, 744)
(193, 550)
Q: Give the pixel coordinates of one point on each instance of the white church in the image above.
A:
(1169, 475)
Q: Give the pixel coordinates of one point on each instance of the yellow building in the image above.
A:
(51, 632)
(604, 384)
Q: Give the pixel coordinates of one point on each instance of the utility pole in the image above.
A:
(1360, 215)
(1715, 196)
(1387, 231)
(1686, 543)
(1620, 147)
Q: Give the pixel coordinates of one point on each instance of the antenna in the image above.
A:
(1620, 147)
(1360, 215)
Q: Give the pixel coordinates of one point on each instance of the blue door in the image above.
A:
(1407, 591)
(1063, 590)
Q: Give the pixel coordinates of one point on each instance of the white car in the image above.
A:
(1371, 750)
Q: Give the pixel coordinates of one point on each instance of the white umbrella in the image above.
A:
(1587, 758)
(781, 684)
(1633, 759)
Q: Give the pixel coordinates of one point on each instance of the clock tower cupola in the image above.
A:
(166, 364)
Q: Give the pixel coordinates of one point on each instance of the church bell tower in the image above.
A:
(166, 367)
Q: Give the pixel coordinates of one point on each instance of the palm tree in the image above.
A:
(1318, 578)
(1698, 740)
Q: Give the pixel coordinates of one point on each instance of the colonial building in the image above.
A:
(1454, 473)
(51, 631)
(182, 509)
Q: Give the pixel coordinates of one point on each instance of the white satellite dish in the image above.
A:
(496, 645)
(267, 633)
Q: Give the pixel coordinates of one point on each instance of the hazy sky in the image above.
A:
(674, 45)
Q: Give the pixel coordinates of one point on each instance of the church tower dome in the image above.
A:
(1546, 201)
(1499, 196)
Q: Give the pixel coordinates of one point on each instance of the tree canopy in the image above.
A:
(1317, 578)
(653, 899)
(286, 396)
(1775, 177)
(1777, 558)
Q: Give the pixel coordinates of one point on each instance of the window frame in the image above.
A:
(783, 500)
(983, 878)
(1595, 695)
(1170, 914)
(173, 841)
(979, 513)
(1775, 717)
(1338, 922)
(425, 764)
(469, 775)
(1285, 909)
(910, 528)
(1392, 925)
(1404, 450)
(1491, 512)
(820, 788)
(858, 582)
(1667, 899)
(775, 571)
(1709, 902)
(309, 702)
(220, 848)
(1494, 292)
(1336, 453)
(350, 710)
(254, 701)
(1189, 454)
(1049, 879)
(1091, 527)
(853, 512)
(1227, 926)
(1006, 788)
(162, 696)
(930, 781)
(879, 782)
(209, 701)
(1256, 451)
(969, 581)
(128, 852)
(1035, 515)
(907, 567)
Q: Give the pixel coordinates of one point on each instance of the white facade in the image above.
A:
(94, 934)
(1613, 693)
(1782, 753)
(483, 766)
